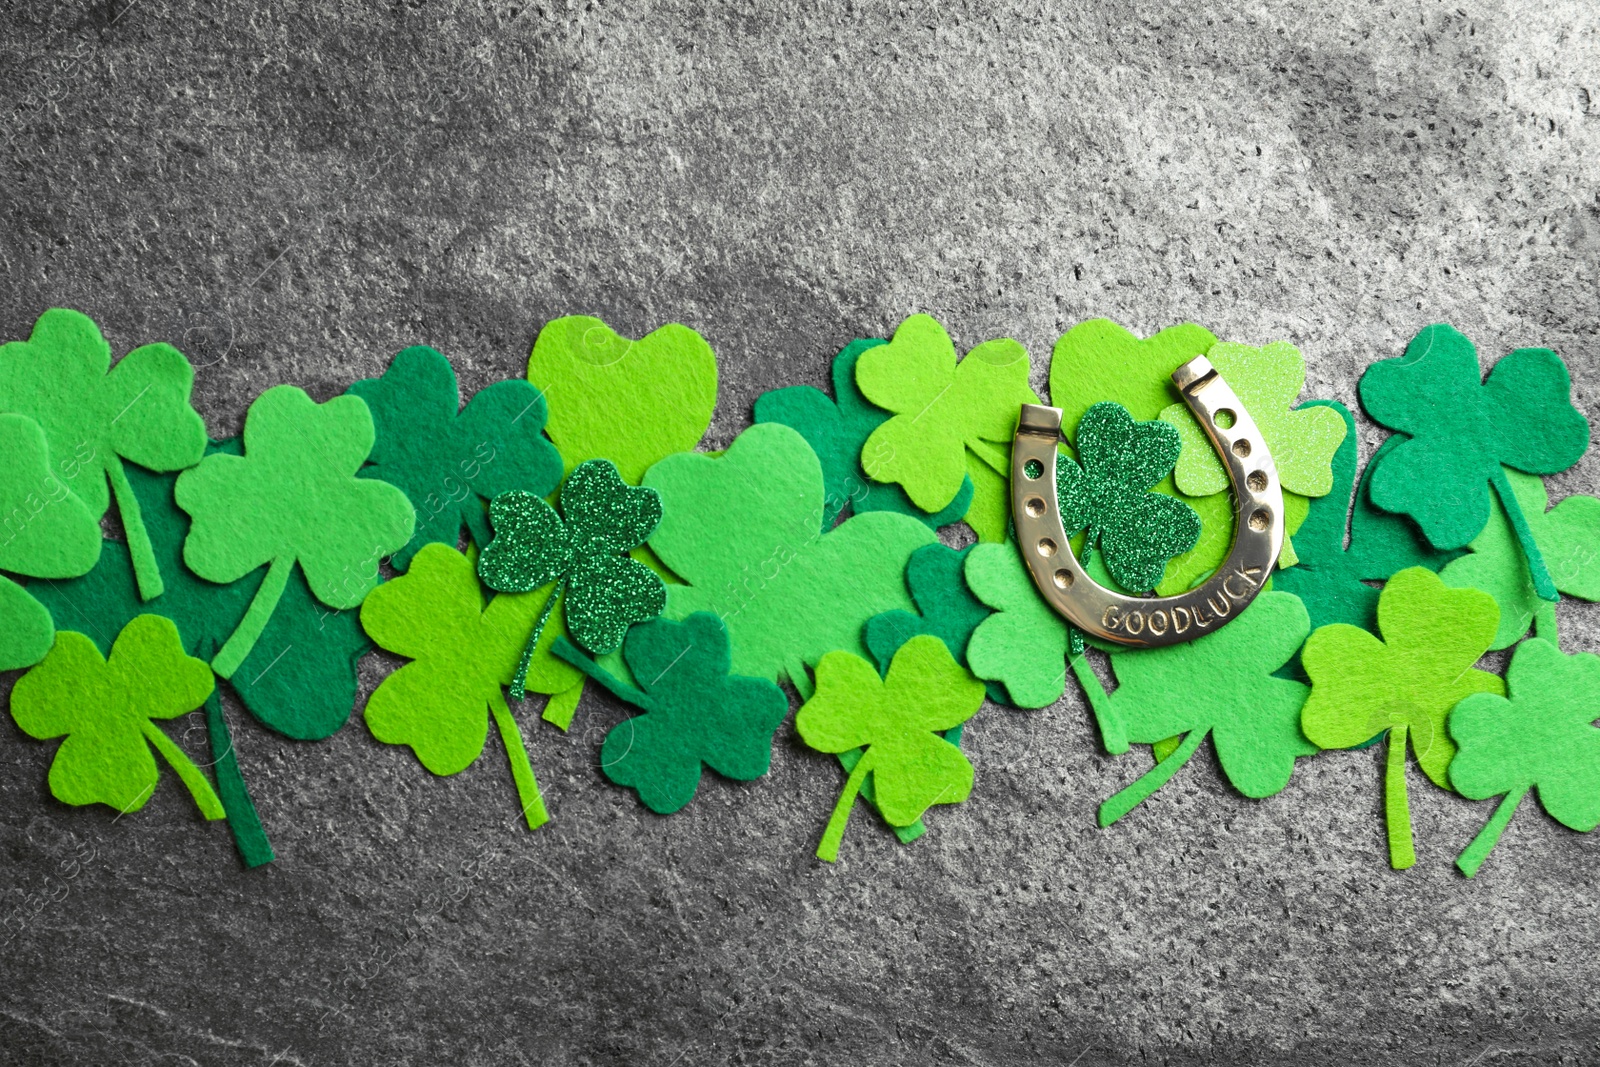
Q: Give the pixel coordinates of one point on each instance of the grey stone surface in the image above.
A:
(294, 192)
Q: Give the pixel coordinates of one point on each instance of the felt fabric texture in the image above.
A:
(941, 408)
(450, 459)
(1568, 537)
(46, 530)
(989, 514)
(1024, 644)
(292, 497)
(1541, 733)
(837, 429)
(632, 402)
(896, 718)
(105, 706)
(1221, 684)
(696, 712)
(299, 679)
(462, 652)
(1098, 360)
(1464, 428)
(947, 608)
(244, 822)
(1331, 578)
(744, 531)
(1405, 683)
(96, 416)
(26, 629)
(1106, 494)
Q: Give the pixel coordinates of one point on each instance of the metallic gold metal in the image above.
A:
(1153, 622)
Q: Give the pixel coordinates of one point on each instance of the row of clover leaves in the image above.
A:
(418, 397)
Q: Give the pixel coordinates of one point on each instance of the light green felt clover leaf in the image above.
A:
(897, 718)
(1542, 734)
(462, 652)
(1221, 684)
(95, 415)
(1568, 537)
(1024, 644)
(744, 531)
(1405, 683)
(293, 497)
(104, 707)
(632, 402)
(942, 409)
(1463, 429)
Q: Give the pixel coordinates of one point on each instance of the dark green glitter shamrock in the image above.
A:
(603, 591)
(1109, 495)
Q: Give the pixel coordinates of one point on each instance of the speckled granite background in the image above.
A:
(294, 192)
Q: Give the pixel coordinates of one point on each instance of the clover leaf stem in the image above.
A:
(1473, 855)
(145, 568)
(1118, 805)
(994, 456)
(565, 650)
(1396, 805)
(238, 646)
(249, 836)
(205, 797)
(1113, 732)
(1545, 624)
(519, 681)
(828, 848)
(1542, 582)
(533, 809)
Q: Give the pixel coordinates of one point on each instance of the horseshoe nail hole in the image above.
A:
(1062, 578)
(1032, 469)
(1224, 418)
(1241, 448)
(1047, 547)
(1260, 519)
(1035, 506)
(1257, 481)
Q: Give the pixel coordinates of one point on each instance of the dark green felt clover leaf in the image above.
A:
(837, 429)
(95, 415)
(696, 711)
(1109, 495)
(1330, 577)
(1463, 429)
(449, 459)
(602, 590)
(1541, 734)
(948, 609)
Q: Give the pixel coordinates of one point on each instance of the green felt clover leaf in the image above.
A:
(1542, 734)
(897, 718)
(26, 629)
(95, 415)
(942, 409)
(1331, 578)
(449, 459)
(602, 590)
(462, 653)
(948, 609)
(1109, 496)
(104, 708)
(1024, 644)
(837, 429)
(1405, 683)
(632, 402)
(696, 712)
(1221, 684)
(1568, 537)
(292, 497)
(1463, 429)
(743, 530)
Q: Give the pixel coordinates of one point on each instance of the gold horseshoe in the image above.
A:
(1153, 622)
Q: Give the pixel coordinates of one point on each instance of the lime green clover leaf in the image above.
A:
(104, 708)
(95, 416)
(942, 410)
(1221, 684)
(1331, 578)
(1464, 433)
(897, 718)
(743, 531)
(1568, 537)
(1109, 498)
(448, 459)
(632, 402)
(837, 429)
(1405, 683)
(696, 712)
(602, 590)
(292, 497)
(462, 653)
(1541, 734)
